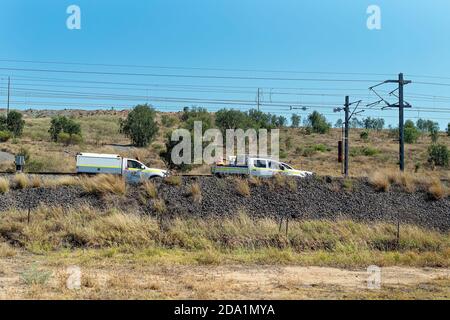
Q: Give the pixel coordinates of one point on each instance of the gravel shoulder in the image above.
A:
(312, 199)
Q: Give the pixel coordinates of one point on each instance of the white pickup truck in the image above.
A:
(131, 169)
(256, 166)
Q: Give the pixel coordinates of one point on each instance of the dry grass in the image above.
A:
(436, 190)
(4, 185)
(6, 251)
(104, 184)
(380, 181)
(63, 181)
(242, 187)
(150, 189)
(254, 181)
(279, 181)
(20, 181)
(35, 182)
(292, 184)
(196, 192)
(173, 180)
(228, 240)
(159, 205)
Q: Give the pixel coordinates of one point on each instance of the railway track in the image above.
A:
(76, 174)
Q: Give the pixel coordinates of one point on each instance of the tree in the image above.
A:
(231, 119)
(62, 124)
(427, 125)
(448, 129)
(318, 123)
(434, 134)
(373, 123)
(259, 120)
(191, 115)
(339, 123)
(12, 123)
(279, 121)
(140, 125)
(356, 123)
(295, 120)
(411, 133)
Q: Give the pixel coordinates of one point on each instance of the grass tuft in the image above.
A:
(196, 192)
(436, 190)
(150, 189)
(35, 182)
(159, 205)
(20, 181)
(104, 184)
(380, 181)
(4, 185)
(35, 276)
(173, 180)
(242, 187)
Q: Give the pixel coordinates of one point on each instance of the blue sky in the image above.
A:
(306, 36)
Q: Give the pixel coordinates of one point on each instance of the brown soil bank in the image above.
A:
(312, 198)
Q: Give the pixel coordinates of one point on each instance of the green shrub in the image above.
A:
(140, 125)
(318, 123)
(434, 134)
(283, 154)
(61, 124)
(68, 139)
(311, 150)
(364, 135)
(4, 136)
(411, 133)
(364, 151)
(13, 123)
(438, 154)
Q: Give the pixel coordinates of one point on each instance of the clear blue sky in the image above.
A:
(290, 35)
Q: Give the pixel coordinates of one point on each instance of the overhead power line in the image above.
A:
(184, 75)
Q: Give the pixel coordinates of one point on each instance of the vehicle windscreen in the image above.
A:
(287, 166)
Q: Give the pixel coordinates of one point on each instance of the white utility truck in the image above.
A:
(256, 166)
(131, 169)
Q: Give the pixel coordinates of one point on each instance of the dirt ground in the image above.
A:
(132, 280)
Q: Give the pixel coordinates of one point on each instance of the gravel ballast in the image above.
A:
(314, 198)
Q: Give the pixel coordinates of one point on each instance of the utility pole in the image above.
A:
(402, 104)
(347, 120)
(401, 122)
(257, 99)
(9, 88)
(348, 116)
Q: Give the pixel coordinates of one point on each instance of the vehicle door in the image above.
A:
(276, 167)
(133, 171)
(260, 169)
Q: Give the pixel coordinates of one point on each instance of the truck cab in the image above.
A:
(135, 171)
(264, 167)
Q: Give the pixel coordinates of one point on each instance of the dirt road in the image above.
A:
(130, 280)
